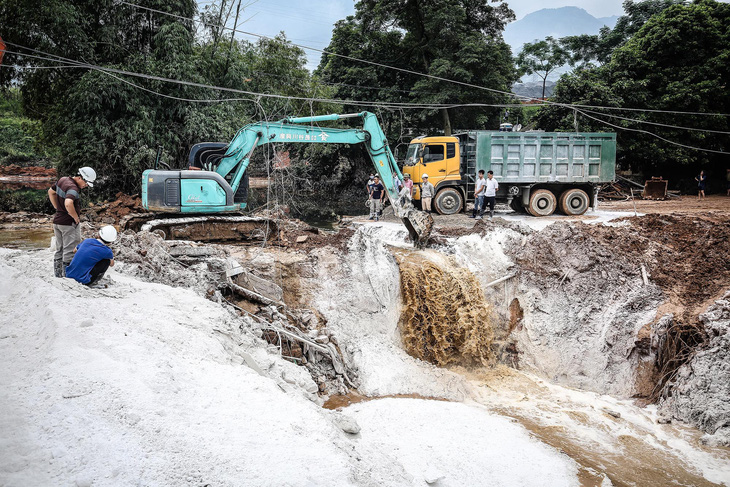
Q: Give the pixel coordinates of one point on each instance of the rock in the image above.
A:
(611, 412)
(86, 323)
(346, 423)
(302, 238)
(433, 475)
(322, 339)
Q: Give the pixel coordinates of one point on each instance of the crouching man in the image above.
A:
(93, 257)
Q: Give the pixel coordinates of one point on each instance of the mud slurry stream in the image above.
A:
(603, 435)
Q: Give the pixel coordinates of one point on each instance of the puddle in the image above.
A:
(25, 238)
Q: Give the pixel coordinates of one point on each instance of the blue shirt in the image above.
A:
(88, 253)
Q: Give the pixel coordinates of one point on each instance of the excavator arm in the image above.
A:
(211, 192)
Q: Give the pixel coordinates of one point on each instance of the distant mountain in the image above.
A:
(556, 22)
(533, 89)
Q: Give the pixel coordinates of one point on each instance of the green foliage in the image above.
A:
(679, 60)
(19, 136)
(31, 200)
(457, 40)
(115, 123)
(586, 49)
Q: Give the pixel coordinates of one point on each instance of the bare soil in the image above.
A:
(712, 207)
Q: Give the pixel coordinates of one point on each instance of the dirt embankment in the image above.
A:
(15, 171)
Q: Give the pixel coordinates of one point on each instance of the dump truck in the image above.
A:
(207, 198)
(537, 172)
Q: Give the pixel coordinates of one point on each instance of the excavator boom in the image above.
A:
(213, 190)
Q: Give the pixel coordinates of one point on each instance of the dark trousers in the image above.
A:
(478, 206)
(97, 272)
(490, 201)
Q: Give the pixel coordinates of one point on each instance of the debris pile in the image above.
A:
(178, 264)
(699, 393)
(117, 210)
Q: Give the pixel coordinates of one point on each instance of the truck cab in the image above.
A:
(438, 157)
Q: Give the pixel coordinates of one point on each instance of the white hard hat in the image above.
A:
(424, 175)
(108, 233)
(88, 175)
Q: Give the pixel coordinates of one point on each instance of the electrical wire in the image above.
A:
(353, 102)
(651, 134)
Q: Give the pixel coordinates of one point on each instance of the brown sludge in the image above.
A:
(445, 319)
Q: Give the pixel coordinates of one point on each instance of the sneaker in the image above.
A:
(472, 216)
(377, 219)
(371, 218)
(479, 217)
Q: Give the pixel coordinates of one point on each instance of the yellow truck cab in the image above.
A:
(439, 158)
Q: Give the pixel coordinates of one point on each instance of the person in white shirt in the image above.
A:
(490, 192)
(427, 193)
(479, 196)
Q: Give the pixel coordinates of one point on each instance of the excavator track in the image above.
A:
(206, 228)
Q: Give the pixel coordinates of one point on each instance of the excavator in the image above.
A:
(214, 190)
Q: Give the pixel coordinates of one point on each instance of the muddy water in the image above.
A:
(445, 318)
(604, 436)
(343, 401)
(25, 238)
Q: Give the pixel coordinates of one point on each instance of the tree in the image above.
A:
(542, 58)
(589, 48)
(678, 62)
(458, 40)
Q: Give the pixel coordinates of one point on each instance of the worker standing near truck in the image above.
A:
(427, 192)
(93, 257)
(408, 183)
(479, 196)
(64, 196)
(490, 192)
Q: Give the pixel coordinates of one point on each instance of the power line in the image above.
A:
(324, 100)
(408, 71)
(658, 124)
(390, 105)
(650, 133)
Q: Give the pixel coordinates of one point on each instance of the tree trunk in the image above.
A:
(544, 82)
(446, 120)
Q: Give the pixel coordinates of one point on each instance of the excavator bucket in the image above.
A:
(419, 225)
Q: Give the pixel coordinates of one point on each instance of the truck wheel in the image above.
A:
(574, 202)
(449, 201)
(542, 203)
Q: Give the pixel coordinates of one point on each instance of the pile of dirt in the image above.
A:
(604, 280)
(445, 321)
(116, 210)
(36, 172)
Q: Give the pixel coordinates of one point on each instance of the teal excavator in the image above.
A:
(216, 185)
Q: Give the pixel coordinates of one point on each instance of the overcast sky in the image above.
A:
(310, 22)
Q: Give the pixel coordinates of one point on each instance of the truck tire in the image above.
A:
(574, 202)
(448, 201)
(542, 203)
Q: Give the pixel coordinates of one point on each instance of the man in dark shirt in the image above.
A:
(64, 196)
(376, 199)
